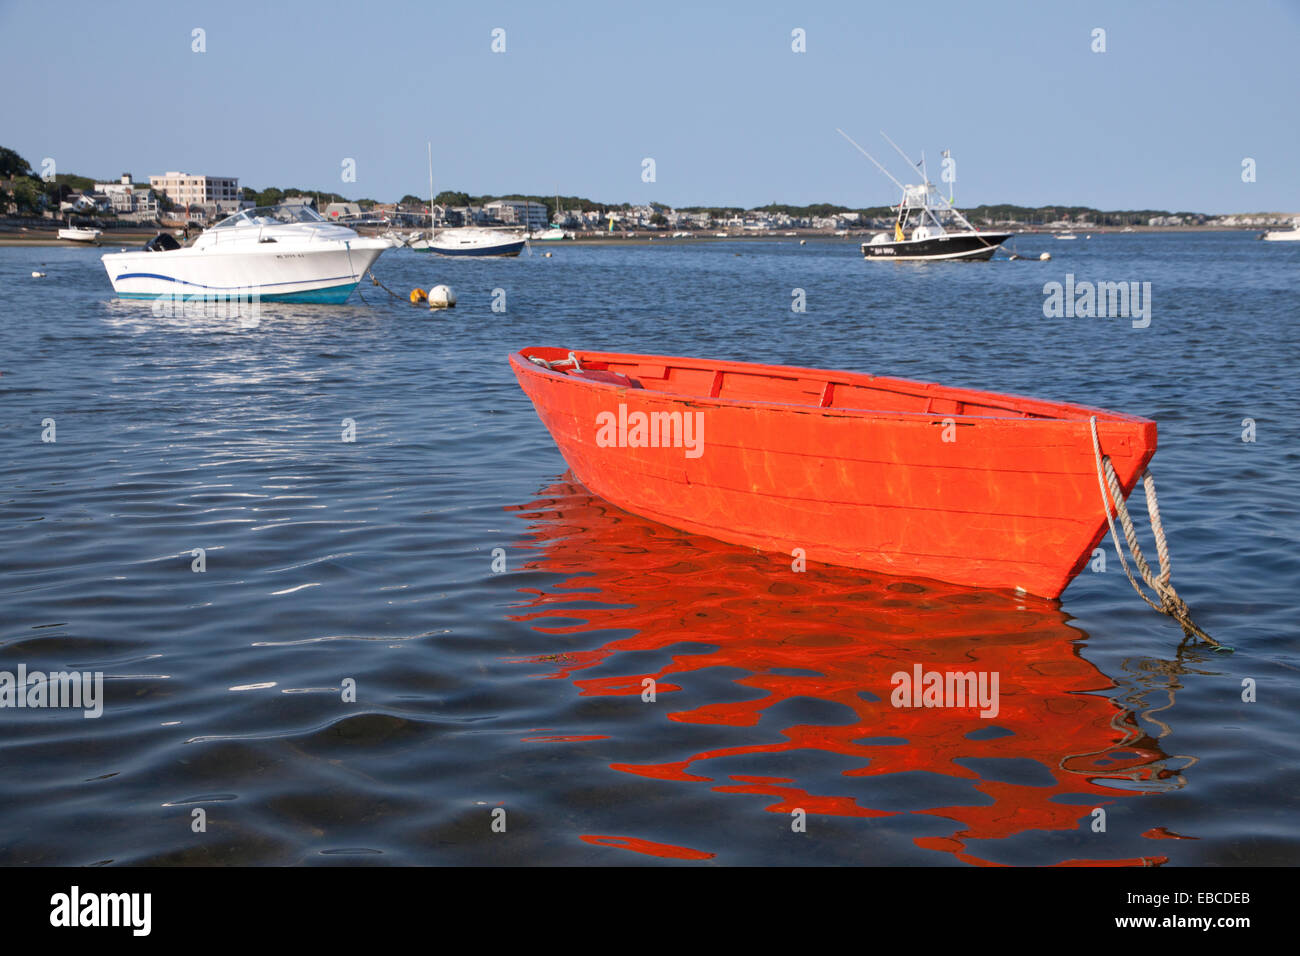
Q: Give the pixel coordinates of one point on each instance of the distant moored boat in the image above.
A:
(927, 227)
(80, 234)
(471, 241)
(1282, 235)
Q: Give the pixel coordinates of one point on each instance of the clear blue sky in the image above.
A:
(711, 91)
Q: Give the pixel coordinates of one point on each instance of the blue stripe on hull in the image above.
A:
(333, 295)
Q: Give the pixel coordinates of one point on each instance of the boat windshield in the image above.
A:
(271, 216)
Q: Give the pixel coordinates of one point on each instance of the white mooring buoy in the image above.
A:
(441, 297)
(1045, 257)
(38, 275)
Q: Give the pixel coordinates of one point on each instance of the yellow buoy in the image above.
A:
(418, 296)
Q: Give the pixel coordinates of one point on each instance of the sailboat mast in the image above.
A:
(430, 189)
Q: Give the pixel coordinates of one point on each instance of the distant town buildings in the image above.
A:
(206, 199)
(126, 200)
(518, 212)
(342, 210)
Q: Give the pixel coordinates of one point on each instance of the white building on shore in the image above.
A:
(188, 189)
(519, 212)
(129, 200)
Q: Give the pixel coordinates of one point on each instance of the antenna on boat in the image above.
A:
(872, 158)
(905, 156)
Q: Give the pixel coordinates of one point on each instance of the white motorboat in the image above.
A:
(471, 241)
(80, 233)
(554, 234)
(1282, 235)
(278, 253)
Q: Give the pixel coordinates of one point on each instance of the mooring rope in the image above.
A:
(382, 286)
(1170, 603)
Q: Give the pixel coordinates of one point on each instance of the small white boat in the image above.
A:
(1282, 235)
(1066, 235)
(80, 233)
(277, 253)
(554, 234)
(471, 241)
(396, 239)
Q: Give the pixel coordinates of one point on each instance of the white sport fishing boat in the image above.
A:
(927, 227)
(1282, 235)
(278, 253)
(79, 233)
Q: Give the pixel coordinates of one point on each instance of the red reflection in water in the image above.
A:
(649, 848)
(1164, 833)
(838, 635)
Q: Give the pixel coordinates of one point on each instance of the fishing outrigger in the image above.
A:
(928, 226)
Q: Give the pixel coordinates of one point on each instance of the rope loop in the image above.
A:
(558, 363)
(1170, 602)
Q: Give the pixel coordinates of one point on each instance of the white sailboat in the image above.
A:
(80, 233)
(465, 240)
(554, 233)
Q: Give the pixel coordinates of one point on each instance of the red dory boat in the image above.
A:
(883, 474)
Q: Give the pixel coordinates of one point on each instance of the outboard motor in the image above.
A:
(163, 242)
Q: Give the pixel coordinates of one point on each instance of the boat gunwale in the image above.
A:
(1081, 413)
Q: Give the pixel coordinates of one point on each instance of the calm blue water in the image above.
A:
(372, 560)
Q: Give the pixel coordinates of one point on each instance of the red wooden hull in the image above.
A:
(902, 477)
